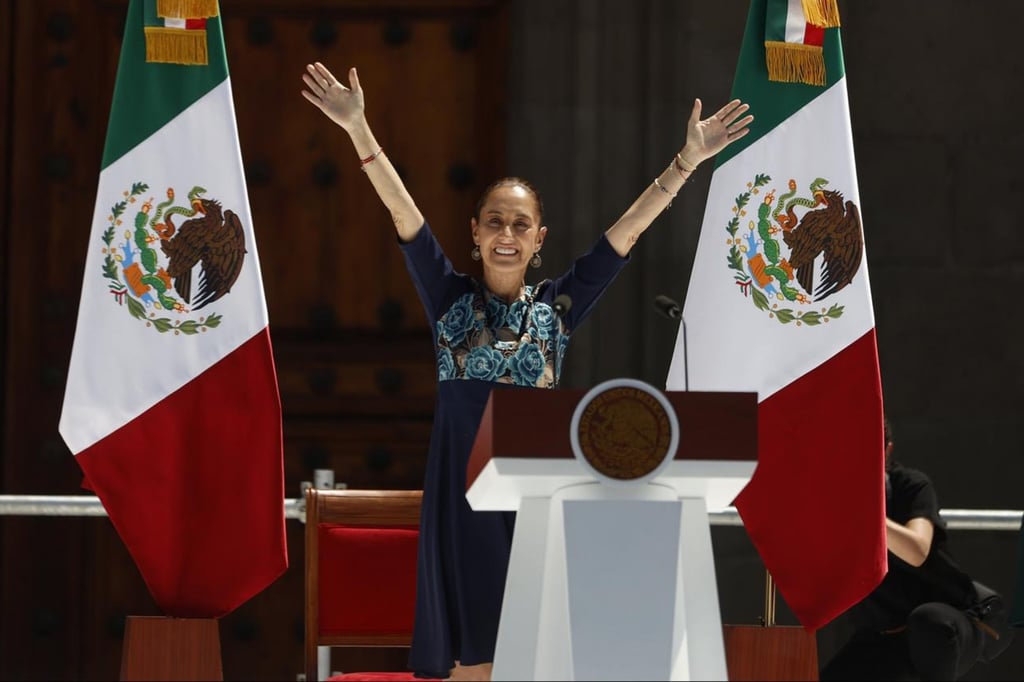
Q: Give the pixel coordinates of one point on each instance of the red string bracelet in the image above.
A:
(363, 163)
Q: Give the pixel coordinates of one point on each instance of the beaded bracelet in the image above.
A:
(666, 190)
(363, 163)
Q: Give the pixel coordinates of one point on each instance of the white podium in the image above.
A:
(612, 574)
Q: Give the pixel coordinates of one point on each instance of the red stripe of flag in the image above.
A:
(814, 35)
(194, 486)
(821, 448)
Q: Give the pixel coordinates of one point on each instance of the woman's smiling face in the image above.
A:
(508, 229)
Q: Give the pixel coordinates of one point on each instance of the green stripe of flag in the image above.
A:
(149, 95)
(149, 15)
(773, 102)
(775, 19)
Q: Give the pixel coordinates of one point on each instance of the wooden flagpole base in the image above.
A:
(776, 652)
(162, 648)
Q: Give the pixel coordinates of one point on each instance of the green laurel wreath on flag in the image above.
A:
(811, 318)
(123, 294)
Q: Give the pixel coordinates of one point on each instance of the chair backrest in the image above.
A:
(360, 569)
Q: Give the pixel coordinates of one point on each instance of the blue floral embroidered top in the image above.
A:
(479, 336)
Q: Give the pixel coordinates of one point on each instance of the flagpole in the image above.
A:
(768, 620)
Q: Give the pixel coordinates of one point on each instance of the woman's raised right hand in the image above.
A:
(343, 105)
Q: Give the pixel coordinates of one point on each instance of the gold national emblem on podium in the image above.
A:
(624, 432)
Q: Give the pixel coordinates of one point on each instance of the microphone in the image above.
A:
(668, 307)
(672, 310)
(561, 304)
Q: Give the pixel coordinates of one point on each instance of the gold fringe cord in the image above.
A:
(794, 62)
(824, 13)
(186, 9)
(176, 45)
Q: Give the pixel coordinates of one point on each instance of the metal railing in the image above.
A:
(295, 508)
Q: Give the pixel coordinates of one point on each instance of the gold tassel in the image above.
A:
(824, 13)
(794, 62)
(186, 9)
(176, 45)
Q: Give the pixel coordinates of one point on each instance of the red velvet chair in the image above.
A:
(360, 573)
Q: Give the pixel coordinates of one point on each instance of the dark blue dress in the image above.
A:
(482, 343)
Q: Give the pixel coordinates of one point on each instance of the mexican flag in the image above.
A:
(171, 406)
(779, 303)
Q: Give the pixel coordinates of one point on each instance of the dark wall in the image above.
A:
(587, 98)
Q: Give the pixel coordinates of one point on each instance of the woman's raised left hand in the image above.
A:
(707, 137)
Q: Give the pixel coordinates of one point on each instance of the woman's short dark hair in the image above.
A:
(511, 181)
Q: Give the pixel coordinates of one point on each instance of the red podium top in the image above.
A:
(523, 444)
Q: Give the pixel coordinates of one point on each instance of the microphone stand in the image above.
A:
(670, 309)
(686, 358)
(560, 306)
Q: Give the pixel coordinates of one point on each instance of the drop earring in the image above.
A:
(475, 253)
(536, 261)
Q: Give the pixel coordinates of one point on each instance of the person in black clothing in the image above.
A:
(927, 619)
